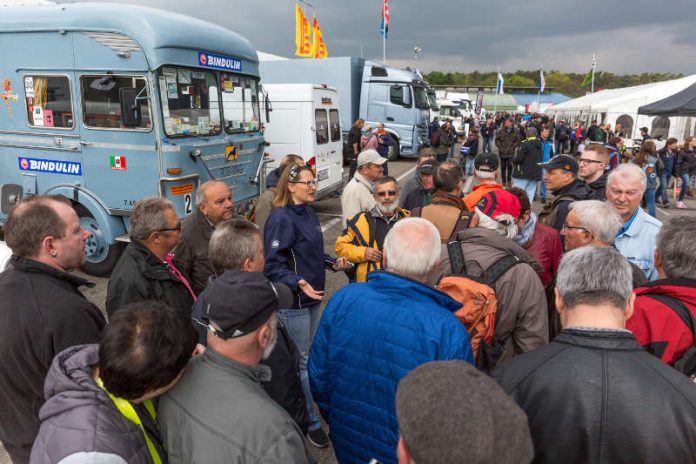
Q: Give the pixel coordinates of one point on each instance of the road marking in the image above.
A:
(663, 211)
(335, 221)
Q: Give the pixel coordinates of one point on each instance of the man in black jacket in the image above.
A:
(593, 394)
(236, 246)
(561, 179)
(526, 172)
(593, 169)
(213, 205)
(146, 270)
(42, 312)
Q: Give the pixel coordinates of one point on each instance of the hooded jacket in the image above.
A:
(42, 312)
(140, 276)
(595, 396)
(294, 249)
(599, 187)
(554, 213)
(522, 320)
(369, 337)
(79, 417)
(527, 159)
(657, 327)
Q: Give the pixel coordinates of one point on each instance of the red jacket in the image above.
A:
(657, 327)
(545, 247)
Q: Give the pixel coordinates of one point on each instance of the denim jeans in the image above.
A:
(650, 200)
(301, 325)
(487, 144)
(543, 185)
(686, 182)
(662, 189)
(469, 166)
(527, 185)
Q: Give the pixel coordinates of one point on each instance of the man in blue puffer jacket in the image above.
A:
(372, 334)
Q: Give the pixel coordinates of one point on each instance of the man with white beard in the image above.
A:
(219, 412)
(362, 240)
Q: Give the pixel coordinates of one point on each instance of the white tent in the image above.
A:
(621, 105)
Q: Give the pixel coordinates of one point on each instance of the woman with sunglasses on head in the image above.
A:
(294, 253)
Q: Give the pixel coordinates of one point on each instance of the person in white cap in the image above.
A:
(357, 195)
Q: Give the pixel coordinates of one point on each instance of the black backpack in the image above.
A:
(687, 363)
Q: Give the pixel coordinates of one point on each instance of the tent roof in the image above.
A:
(503, 102)
(544, 98)
(680, 104)
(625, 97)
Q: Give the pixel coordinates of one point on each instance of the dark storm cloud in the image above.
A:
(627, 36)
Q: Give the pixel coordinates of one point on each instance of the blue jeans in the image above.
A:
(650, 200)
(543, 185)
(527, 185)
(662, 189)
(469, 166)
(301, 325)
(487, 144)
(686, 182)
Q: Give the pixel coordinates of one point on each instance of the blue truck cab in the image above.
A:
(106, 104)
(397, 98)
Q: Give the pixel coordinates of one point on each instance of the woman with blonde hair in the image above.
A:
(685, 167)
(647, 160)
(294, 254)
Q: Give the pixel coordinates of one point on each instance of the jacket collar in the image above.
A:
(676, 282)
(388, 282)
(149, 264)
(229, 366)
(635, 223)
(444, 198)
(363, 180)
(481, 236)
(32, 266)
(620, 340)
(203, 220)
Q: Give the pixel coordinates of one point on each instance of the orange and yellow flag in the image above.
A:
(318, 45)
(302, 31)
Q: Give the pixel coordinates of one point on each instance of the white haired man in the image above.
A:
(485, 171)
(522, 320)
(594, 223)
(637, 236)
(371, 335)
(363, 238)
(357, 194)
(618, 403)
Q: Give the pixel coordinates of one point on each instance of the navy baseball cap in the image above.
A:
(565, 162)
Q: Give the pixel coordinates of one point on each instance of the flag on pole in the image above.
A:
(303, 46)
(542, 81)
(499, 85)
(318, 45)
(588, 78)
(386, 19)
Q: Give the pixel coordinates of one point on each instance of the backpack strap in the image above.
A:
(456, 257)
(416, 212)
(499, 268)
(679, 308)
(462, 222)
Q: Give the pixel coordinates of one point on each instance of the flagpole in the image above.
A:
(594, 63)
(384, 46)
(495, 102)
(539, 92)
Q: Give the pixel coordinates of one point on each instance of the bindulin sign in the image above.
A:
(71, 168)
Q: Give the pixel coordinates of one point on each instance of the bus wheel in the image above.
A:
(101, 256)
(394, 151)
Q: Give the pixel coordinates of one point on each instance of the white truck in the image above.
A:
(306, 121)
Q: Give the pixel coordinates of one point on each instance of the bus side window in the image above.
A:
(101, 103)
(48, 101)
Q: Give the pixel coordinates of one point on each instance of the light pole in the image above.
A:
(416, 51)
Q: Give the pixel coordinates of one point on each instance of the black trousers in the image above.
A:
(506, 170)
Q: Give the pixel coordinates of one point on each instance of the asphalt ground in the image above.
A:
(329, 213)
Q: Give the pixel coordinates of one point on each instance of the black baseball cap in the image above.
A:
(428, 167)
(487, 159)
(237, 303)
(565, 162)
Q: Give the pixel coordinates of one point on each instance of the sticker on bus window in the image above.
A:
(178, 190)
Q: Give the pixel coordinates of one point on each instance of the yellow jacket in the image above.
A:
(358, 236)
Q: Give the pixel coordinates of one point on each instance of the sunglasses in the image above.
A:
(171, 229)
(391, 193)
(296, 170)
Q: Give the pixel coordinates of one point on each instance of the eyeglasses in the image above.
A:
(171, 229)
(391, 193)
(589, 161)
(567, 226)
(308, 183)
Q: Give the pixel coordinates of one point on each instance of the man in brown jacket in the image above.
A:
(522, 319)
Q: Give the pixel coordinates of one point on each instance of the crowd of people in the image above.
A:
(564, 333)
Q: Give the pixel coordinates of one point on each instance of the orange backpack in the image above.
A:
(479, 304)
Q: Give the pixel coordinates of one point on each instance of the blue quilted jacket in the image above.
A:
(369, 337)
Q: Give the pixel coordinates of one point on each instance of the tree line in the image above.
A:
(570, 84)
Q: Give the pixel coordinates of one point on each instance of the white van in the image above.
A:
(305, 121)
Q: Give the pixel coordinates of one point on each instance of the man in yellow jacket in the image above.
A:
(362, 240)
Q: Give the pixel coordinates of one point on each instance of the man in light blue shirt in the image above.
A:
(637, 237)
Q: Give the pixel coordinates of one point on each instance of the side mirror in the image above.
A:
(266, 103)
(131, 115)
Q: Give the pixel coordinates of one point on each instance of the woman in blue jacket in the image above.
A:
(294, 254)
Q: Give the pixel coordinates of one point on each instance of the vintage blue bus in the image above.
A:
(105, 104)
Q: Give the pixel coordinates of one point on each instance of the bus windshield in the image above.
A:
(189, 101)
(240, 102)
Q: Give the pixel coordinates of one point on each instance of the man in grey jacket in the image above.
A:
(218, 412)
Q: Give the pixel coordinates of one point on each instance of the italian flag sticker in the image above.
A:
(118, 163)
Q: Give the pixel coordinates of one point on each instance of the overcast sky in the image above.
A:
(628, 36)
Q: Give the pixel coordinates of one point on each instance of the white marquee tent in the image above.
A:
(614, 106)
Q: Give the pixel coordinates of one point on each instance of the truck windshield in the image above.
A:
(240, 102)
(189, 101)
(432, 100)
(420, 97)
